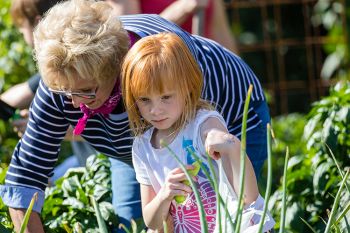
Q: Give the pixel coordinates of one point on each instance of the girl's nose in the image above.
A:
(155, 109)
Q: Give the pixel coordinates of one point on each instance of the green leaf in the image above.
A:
(108, 214)
(311, 125)
(293, 215)
(73, 203)
(321, 177)
(101, 192)
(70, 186)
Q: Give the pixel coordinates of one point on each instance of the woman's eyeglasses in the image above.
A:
(69, 94)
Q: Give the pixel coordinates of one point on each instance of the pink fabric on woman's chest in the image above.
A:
(105, 109)
(133, 38)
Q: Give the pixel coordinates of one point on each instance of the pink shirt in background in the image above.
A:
(157, 6)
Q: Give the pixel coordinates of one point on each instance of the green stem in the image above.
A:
(242, 161)
(165, 227)
(347, 208)
(269, 178)
(336, 203)
(284, 189)
(213, 182)
(101, 222)
(337, 164)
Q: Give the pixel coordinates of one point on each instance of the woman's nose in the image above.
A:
(76, 101)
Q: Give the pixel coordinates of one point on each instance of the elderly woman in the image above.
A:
(79, 47)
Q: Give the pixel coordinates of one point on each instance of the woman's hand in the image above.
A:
(173, 184)
(220, 143)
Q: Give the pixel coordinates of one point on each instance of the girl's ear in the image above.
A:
(37, 20)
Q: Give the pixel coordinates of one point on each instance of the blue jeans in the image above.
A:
(256, 138)
(126, 197)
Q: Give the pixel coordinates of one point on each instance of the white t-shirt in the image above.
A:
(153, 165)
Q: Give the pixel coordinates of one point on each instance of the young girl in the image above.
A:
(161, 85)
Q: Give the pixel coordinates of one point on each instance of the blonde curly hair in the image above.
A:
(79, 39)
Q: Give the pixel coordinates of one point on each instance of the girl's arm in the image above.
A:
(154, 210)
(219, 143)
(155, 206)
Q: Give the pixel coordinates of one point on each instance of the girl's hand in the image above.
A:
(218, 143)
(173, 184)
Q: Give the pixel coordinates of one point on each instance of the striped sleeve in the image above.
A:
(36, 153)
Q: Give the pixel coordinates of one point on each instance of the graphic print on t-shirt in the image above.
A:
(186, 215)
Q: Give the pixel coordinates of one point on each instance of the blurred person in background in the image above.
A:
(181, 12)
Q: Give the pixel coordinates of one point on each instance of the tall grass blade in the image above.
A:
(284, 190)
(165, 227)
(269, 178)
(337, 229)
(308, 225)
(204, 225)
(212, 180)
(242, 161)
(336, 203)
(345, 211)
(101, 222)
(28, 213)
(122, 226)
(337, 164)
(134, 226)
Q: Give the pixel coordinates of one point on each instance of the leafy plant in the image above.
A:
(6, 225)
(313, 178)
(68, 206)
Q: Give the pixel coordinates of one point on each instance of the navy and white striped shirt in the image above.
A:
(226, 81)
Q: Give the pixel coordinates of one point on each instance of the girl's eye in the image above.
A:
(166, 97)
(143, 99)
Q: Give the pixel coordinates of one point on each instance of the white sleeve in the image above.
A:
(199, 144)
(140, 165)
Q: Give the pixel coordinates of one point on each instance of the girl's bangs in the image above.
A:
(154, 79)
